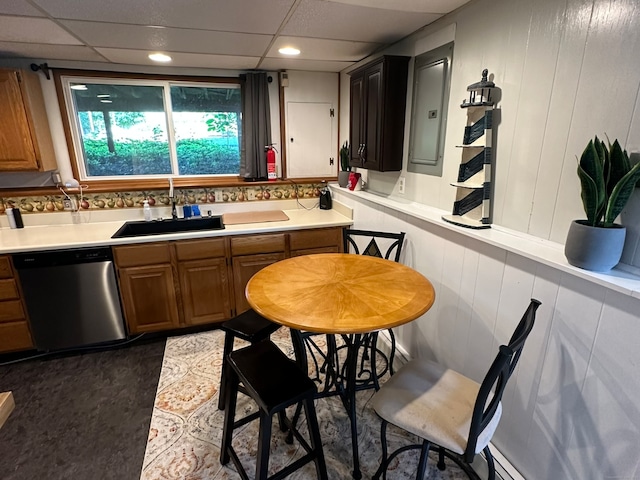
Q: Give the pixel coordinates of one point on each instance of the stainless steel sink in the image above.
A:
(160, 227)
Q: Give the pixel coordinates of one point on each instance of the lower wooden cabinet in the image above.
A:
(318, 240)
(149, 298)
(205, 291)
(205, 286)
(245, 267)
(14, 328)
(168, 285)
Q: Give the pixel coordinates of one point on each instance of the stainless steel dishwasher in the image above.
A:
(71, 297)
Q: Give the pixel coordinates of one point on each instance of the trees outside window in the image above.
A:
(145, 128)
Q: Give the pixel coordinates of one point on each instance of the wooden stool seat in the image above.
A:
(248, 326)
(274, 382)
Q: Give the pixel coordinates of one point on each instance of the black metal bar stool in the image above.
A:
(274, 382)
(248, 326)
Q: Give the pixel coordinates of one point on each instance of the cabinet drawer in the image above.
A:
(8, 289)
(251, 244)
(201, 249)
(15, 336)
(11, 310)
(313, 251)
(5, 268)
(317, 238)
(140, 255)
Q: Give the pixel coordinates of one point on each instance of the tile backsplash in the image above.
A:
(105, 201)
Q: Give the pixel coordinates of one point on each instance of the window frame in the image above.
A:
(133, 182)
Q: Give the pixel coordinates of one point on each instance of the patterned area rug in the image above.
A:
(186, 427)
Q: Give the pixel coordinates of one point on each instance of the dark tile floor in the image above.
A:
(82, 416)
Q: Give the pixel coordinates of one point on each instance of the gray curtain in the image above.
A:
(256, 125)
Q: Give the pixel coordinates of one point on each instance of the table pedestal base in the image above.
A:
(340, 379)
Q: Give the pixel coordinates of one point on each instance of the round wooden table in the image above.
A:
(339, 293)
(336, 293)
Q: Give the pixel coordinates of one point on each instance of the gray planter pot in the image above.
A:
(343, 179)
(630, 218)
(594, 248)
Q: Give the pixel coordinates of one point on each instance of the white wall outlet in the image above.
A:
(218, 196)
(401, 185)
(251, 194)
(70, 204)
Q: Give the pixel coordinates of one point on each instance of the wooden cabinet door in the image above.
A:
(355, 120)
(373, 114)
(245, 267)
(378, 102)
(204, 285)
(149, 298)
(17, 149)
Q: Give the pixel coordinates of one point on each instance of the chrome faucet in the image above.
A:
(174, 214)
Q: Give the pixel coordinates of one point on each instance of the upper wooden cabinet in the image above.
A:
(25, 138)
(377, 109)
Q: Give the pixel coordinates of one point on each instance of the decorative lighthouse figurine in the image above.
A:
(472, 207)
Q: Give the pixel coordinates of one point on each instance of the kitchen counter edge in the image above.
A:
(85, 235)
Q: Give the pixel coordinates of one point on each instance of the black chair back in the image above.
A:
(373, 249)
(494, 383)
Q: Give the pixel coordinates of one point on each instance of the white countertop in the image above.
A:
(98, 233)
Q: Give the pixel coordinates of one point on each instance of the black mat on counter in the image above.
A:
(80, 416)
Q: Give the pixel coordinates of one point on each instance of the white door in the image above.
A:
(309, 140)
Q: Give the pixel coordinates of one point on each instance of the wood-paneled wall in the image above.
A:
(567, 70)
(572, 408)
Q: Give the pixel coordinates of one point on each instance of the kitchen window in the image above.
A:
(145, 128)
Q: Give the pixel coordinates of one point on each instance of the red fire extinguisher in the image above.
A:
(271, 162)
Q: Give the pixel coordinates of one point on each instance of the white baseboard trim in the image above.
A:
(503, 466)
(504, 469)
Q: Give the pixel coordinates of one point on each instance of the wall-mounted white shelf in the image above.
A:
(537, 249)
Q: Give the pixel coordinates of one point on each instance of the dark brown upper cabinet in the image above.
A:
(377, 109)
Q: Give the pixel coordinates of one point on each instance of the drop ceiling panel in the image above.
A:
(320, 49)
(248, 16)
(346, 22)
(169, 39)
(34, 30)
(195, 60)
(49, 52)
(424, 6)
(275, 64)
(18, 7)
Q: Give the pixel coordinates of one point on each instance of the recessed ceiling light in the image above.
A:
(103, 95)
(159, 57)
(289, 51)
(78, 86)
(106, 101)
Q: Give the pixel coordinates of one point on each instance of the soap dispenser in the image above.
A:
(147, 211)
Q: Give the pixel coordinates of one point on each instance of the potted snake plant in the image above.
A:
(343, 175)
(607, 180)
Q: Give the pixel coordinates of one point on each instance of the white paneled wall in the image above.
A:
(572, 408)
(567, 70)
